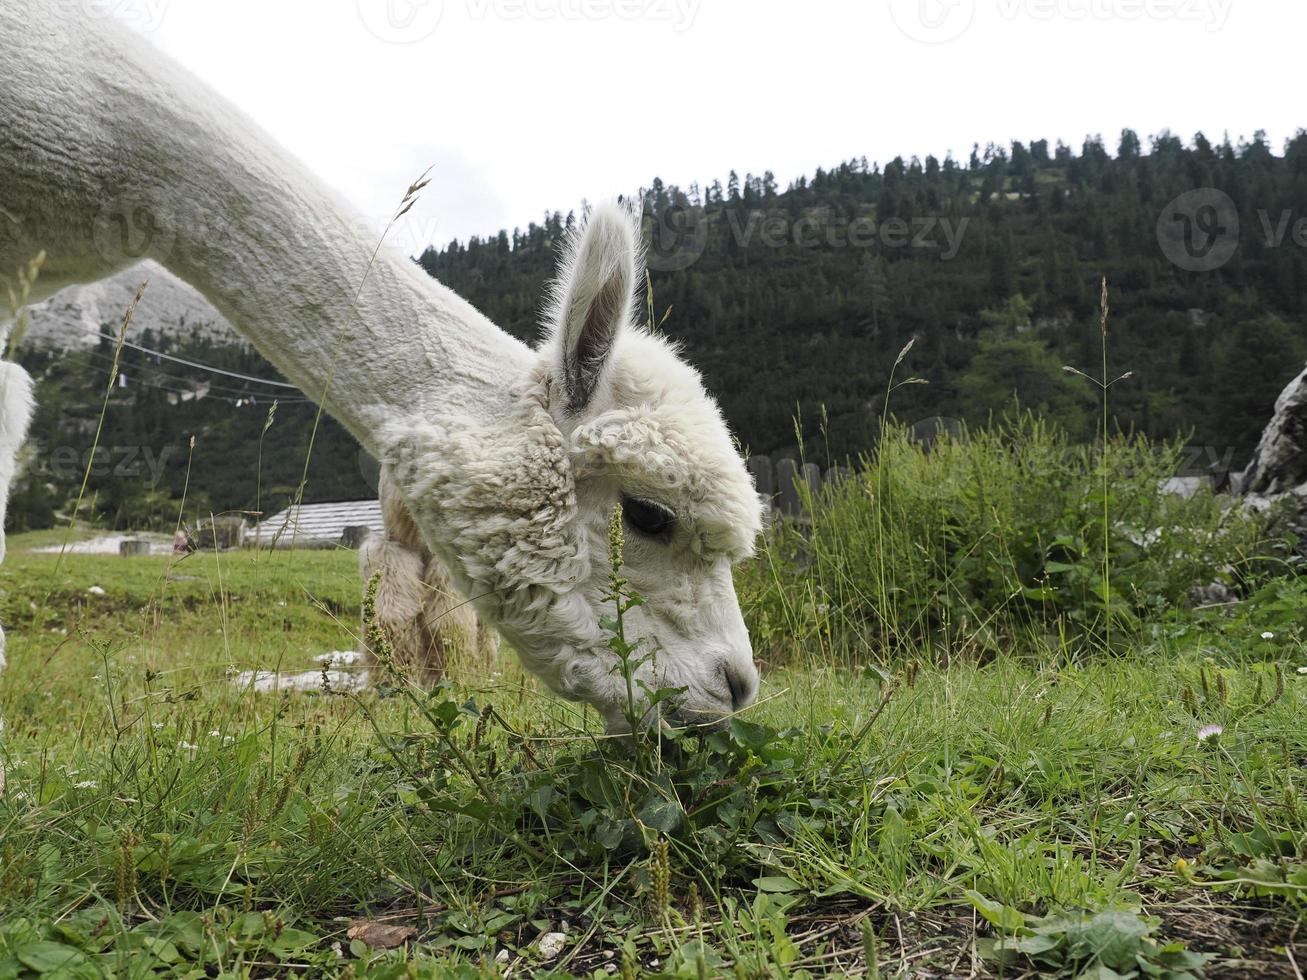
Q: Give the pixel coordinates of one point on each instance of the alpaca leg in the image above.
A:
(398, 599)
(449, 626)
(487, 643)
(446, 616)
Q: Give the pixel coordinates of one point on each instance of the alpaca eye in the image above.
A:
(647, 518)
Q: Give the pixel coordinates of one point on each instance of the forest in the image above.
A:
(795, 302)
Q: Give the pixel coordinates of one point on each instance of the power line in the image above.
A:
(197, 364)
(107, 361)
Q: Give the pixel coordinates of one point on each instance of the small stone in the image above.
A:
(551, 944)
(502, 956)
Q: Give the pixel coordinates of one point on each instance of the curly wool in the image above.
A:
(504, 506)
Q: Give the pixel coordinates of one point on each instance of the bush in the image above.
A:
(976, 537)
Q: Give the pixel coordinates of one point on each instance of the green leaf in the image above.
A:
(777, 885)
(662, 814)
(539, 800)
(1114, 937)
(751, 735)
(47, 957)
(997, 914)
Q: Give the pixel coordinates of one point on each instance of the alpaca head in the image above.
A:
(642, 434)
(519, 501)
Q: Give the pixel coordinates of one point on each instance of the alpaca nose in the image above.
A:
(743, 685)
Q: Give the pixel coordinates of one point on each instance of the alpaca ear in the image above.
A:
(594, 299)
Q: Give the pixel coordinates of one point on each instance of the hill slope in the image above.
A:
(792, 301)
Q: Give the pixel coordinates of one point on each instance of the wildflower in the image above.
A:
(1210, 732)
(86, 784)
(187, 746)
(1302, 670)
(157, 726)
(1268, 635)
(214, 734)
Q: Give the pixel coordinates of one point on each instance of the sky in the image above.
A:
(527, 106)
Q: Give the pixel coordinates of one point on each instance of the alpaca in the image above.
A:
(509, 459)
(418, 609)
(16, 406)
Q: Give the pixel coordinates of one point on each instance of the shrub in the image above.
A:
(981, 535)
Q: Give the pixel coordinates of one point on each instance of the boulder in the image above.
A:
(1279, 465)
(1276, 478)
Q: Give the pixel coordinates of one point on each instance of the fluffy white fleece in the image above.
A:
(16, 405)
(424, 619)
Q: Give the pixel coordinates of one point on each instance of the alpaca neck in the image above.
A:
(110, 152)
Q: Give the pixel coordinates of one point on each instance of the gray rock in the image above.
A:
(1280, 464)
(74, 318)
(1275, 481)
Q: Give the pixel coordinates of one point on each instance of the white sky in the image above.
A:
(523, 106)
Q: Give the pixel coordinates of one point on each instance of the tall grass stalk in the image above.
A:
(104, 411)
(18, 297)
(1104, 385)
(406, 204)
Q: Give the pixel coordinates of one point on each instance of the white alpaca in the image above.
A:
(509, 459)
(15, 416)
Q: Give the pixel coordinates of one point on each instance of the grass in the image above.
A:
(1022, 812)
